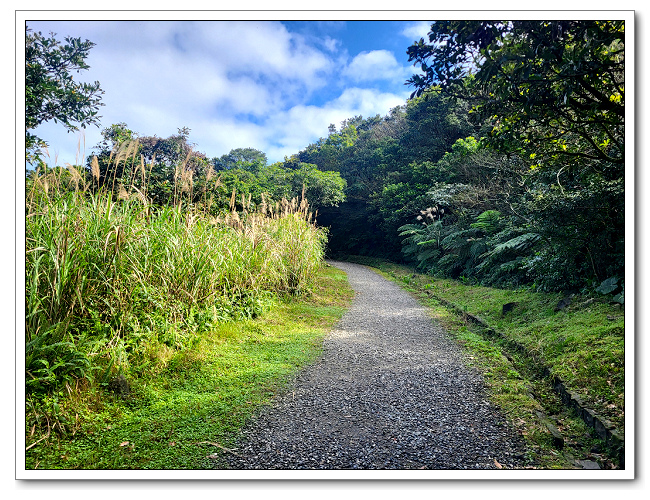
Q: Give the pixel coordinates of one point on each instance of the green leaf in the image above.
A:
(608, 286)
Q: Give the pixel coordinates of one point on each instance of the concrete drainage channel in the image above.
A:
(603, 428)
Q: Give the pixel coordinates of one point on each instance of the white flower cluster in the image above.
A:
(430, 214)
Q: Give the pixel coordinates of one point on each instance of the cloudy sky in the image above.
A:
(271, 85)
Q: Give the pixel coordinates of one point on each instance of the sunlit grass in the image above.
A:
(204, 394)
(120, 293)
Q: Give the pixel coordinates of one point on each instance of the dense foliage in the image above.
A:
(112, 279)
(548, 87)
(151, 242)
(506, 166)
(165, 170)
(388, 164)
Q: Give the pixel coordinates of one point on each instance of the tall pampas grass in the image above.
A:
(108, 275)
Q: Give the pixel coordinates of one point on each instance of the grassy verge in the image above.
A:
(197, 397)
(583, 344)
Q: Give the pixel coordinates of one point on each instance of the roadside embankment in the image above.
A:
(573, 345)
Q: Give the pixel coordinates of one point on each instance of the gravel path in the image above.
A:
(390, 392)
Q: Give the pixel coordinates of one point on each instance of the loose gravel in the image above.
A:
(391, 391)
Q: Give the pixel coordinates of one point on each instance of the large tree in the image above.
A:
(50, 91)
(246, 158)
(550, 87)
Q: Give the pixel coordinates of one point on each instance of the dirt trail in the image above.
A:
(391, 391)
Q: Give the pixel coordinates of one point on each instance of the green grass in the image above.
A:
(199, 395)
(583, 345)
(197, 314)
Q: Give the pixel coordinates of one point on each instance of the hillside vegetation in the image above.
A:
(119, 290)
(506, 167)
(167, 289)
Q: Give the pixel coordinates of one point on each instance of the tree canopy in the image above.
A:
(246, 158)
(550, 94)
(50, 91)
(549, 87)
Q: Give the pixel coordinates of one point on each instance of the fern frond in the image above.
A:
(410, 229)
(489, 221)
(432, 253)
(477, 249)
(459, 239)
(518, 244)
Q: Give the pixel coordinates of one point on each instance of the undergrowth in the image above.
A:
(184, 413)
(120, 291)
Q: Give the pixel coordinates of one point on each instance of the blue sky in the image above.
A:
(271, 85)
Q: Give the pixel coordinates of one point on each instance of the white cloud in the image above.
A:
(158, 76)
(234, 84)
(375, 65)
(367, 102)
(417, 30)
(304, 124)
(244, 67)
(263, 49)
(331, 44)
(224, 134)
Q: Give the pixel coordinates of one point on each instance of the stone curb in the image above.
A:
(604, 429)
